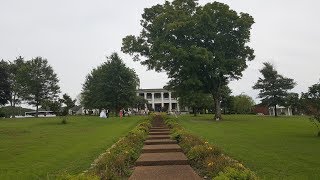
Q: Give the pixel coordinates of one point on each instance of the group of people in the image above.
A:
(104, 113)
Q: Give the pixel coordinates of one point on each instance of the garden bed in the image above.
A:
(208, 160)
(117, 161)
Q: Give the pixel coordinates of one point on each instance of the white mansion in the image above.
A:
(159, 99)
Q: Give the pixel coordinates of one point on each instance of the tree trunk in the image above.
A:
(37, 110)
(13, 106)
(194, 112)
(275, 111)
(217, 115)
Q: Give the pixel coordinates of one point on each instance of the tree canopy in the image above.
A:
(197, 101)
(4, 83)
(311, 103)
(15, 75)
(38, 83)
(273, 86)
(243, 104)
(199, 47)
(111, 85)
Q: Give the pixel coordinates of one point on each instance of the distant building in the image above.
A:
(281, 110)
(261, 109)
(159, 99)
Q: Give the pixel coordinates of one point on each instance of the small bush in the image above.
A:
(208, 160)
(198, 153)
(117, 161)
(64, 120)
(81, 176)
(215, 164)
(189, 140)
(232, 173)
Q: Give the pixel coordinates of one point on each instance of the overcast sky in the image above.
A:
(76, 35)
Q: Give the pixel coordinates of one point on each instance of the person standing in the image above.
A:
(107, 113)
(121, 114)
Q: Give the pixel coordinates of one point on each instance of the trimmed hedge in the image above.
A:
(208, 160)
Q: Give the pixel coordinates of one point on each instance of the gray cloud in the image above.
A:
(76, 35)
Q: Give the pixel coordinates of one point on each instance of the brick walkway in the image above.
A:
(162, 158)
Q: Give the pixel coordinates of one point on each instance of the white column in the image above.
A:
(145, 97)
(152, 101)
(170, 104)
(162, 103)
(178, 108)
(288, 112)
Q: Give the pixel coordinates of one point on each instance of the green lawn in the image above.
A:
(41, 148)
(275, 148)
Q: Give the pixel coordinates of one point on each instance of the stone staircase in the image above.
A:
(162, 157)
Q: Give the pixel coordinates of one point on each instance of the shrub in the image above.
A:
(215, 164)
(189, 140)
(81, 176)
(64, 120)
(233, 173)
(117, 161)
(198, 153)
(208, 160)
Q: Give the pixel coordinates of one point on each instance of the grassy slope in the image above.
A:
(36, 148)
(275, 148)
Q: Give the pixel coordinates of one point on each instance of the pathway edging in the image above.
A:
(162, 157)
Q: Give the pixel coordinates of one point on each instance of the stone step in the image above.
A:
(158, 137)
(161, 148)
(159, 130)
(159, 133)
(159, 159)
(177, 172)
(160, 141)
(158, 127)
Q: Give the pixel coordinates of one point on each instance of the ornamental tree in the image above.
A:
(273, 87)
(199, 47)
(111, 85)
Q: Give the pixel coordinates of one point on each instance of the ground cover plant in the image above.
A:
(117, 161)
(40, 148)
(207, 159)
(274, 148)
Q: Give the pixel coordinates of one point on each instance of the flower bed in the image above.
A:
(208, 160)
(118, 160)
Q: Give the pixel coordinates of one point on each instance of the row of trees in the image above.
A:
(32, 81)
(201, 102)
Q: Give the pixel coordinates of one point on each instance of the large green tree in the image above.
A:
(293, 101)
(4, 82)
(273, 86)
(111, 85)
(243, 104)
(15, 86)
(38, 83)
(200, 47)
(311, 103)
(197, 101)
(68, 103)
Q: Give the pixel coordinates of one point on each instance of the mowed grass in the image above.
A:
(42, 148)
(275, 148)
